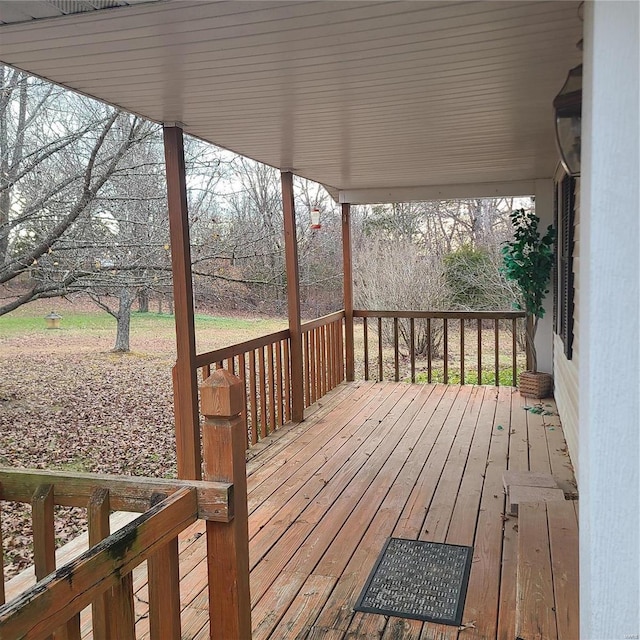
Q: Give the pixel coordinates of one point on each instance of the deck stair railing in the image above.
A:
(101, 577)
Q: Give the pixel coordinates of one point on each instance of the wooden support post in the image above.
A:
(293, 297)
(347, 270)
(222, 397)
(185, 380)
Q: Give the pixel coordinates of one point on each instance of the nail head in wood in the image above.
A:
(221, 395)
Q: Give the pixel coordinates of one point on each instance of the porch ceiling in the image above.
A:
(355, 95)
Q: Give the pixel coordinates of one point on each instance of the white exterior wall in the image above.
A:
(609, 334)
(565, 372)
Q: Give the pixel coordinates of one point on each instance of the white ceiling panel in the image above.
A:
(355, 95)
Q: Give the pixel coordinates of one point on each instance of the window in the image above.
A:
(563, 285)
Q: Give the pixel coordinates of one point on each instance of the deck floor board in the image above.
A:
(380, 460)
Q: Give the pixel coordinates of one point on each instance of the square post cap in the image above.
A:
(221, 395)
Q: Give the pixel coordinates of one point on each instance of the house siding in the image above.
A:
(566, 371)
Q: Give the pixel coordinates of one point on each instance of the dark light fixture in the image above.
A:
(568, 112)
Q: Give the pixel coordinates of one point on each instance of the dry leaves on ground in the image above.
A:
(96, 412)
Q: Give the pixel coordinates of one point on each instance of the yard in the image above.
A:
(66, 402)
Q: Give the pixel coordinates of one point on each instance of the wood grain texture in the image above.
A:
(186, 394)
(62, 594)
(376, 460)
(347, 288)
(227, 544)
(293, 296)
(535, 615)
(126, 493)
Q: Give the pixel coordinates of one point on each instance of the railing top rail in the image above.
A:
(218, 355)
(55, 599)
(126, 493)
(455, 315)
(322, 321)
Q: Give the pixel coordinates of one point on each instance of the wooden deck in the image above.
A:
(375, 460)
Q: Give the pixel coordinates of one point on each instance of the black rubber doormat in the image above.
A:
(421, 580)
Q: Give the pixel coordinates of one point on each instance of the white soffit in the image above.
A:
(355, 95)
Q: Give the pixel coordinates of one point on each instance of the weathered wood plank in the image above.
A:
(164, 593)
(484, 582)
(125, 493)
(518, 461)
(44, 536)
(67, 591)
(535, 616)
(563, 540)
(99, 529)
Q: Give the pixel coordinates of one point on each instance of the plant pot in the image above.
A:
(536, 384)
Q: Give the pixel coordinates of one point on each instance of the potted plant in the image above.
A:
(528, 260)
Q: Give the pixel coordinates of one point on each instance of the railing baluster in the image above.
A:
(98, 520)
(44, 549)
(314, 365)
(429, 344)
(326, 368)
(412, 347)
(365, 335)
(287, 381)
(242, 374)
(220, 364)
(334, 355)
(2, 593)
(206, 371)
(263, 393)
(99, 529)
(479, 351)
(280, 412)
(461, 350)
(514, 348)
(396, 351)
(163, 572)
(272, 391)
(231, 366)
(322, 374)
(331, 370)
(340, 351)
(445, 340)
(380, 366)
(121, 612)
(307, 369)
(44, 539)
(318, 344)
(253, 396)
(496, 350)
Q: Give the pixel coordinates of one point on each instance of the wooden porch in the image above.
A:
(374, 460)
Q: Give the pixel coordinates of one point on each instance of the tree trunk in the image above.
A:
(123, 318)
(143, 301)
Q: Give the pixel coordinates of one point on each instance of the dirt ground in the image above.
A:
(67, 403)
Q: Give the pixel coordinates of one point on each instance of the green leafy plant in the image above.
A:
(528, 260)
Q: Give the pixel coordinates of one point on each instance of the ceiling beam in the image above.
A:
(438, 192)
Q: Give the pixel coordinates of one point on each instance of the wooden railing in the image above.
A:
(264, 366)
(101, 577)
(454, 346)
(324, 359)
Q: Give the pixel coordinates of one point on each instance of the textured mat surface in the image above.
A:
(420, 580)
